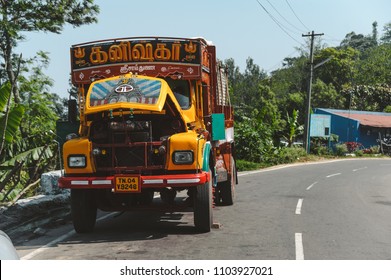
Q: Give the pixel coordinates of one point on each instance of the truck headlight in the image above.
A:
(77, 161)
(183, 157)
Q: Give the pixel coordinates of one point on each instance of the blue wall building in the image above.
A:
(359, 126)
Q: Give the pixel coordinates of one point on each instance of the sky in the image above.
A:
(265, 30)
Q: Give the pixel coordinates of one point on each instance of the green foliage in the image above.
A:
(387, 109)
(243, 165)
(10, 118)
(28, 110)
(341, 149)
(375, 68)
(359, 42)
(326, 96)
(320, 146)
(47, 16)
(369, 97)
(374, 149)
(386, 38)
(293, 128)
(257, 114)
(292, 78)
(245, 86)
(339, 71)
(287, 155)
(14, 119)
(357, 76)
(253, 139)
(42, 107)
(320, 150)
(5, 92)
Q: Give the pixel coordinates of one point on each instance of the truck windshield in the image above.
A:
(133, 90)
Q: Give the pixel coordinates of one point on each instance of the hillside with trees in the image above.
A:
(270, 109)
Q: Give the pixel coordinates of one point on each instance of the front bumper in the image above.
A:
(156, 181)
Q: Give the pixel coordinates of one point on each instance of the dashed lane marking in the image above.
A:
(310, 186)
(358, 169)
(298, 207)
(333, 175)
(299, 246)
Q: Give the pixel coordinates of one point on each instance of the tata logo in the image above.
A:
(124, 88)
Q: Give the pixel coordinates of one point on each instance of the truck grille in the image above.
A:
(126, 147)
(131, 157)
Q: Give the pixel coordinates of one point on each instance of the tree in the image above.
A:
(375, 33)
(386, 38)
(369, 97)
(325, 96)
(359, 42)
(376, 67)
(293, 128)
(253, 138)
(291, 78)
(19, 16)
(27, 144)
(32, 150)
(245, 85)
(43, 108)
(340, 70)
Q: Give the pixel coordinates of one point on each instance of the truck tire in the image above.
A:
(83, 209)
(203, 215)
(227, 189)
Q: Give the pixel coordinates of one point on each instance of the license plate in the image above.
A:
(127, 184)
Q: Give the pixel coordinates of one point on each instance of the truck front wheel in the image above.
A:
(83, 208)
(203, 216)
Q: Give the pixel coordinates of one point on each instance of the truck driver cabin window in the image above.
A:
(181, 90)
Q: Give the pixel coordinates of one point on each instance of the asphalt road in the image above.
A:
(324, 211)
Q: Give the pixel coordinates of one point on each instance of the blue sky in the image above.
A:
(239, 28)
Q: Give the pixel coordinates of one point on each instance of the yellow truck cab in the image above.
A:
(155, 117)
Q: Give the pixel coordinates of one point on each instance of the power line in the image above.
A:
(296, 15)
(278, 23)
(298, 29)
(277, 64)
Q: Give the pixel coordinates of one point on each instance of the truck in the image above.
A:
(154, 118)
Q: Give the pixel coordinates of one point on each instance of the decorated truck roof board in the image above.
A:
(148, 56)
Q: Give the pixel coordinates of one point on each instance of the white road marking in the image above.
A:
(299, 246)
(245, 173)
(298, 207)
(332, 175)
(310, 186)
(358, 169)
(58, 240)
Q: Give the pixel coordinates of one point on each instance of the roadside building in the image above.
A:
(363, 127)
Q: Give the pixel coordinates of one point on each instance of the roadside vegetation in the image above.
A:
(269, 107)
(28, 108)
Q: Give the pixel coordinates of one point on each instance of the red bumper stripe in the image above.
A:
(183, 180)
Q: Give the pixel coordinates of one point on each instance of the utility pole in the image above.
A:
(308, 103)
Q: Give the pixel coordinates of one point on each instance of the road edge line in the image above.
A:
(43, 248)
